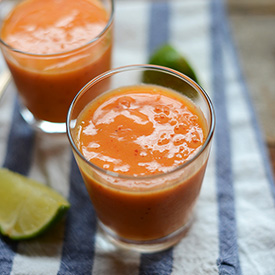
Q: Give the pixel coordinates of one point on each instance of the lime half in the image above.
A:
(27, 208)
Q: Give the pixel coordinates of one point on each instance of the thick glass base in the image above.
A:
(149, 246)
(42, 125)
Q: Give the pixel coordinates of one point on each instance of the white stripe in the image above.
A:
(51, 165)
(197, 253)
(130, 35)
(6, 112)
(254, 202)
(112, 260)
(130, 47)
(190, 34)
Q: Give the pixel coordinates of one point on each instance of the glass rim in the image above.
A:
(121, 69)
(106, 28)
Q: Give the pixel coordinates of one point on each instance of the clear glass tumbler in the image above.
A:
(143, 213)
(47, 83)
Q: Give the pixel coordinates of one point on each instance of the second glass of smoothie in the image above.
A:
(142, 147)
(52, 49)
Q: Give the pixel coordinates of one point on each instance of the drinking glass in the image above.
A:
(144, 213)
(47, 83)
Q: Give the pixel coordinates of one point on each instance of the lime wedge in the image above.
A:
(167, 56)
(27, 208)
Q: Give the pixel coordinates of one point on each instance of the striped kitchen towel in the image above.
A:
(234, 229)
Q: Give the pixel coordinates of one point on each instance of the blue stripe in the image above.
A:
(159, 25)
(228, 261)
(160, 263)
(18, 159)
(254, 121)
(80, 230)
(20, 144)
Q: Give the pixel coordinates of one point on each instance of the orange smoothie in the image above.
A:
(58, 56)
(143, 133)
